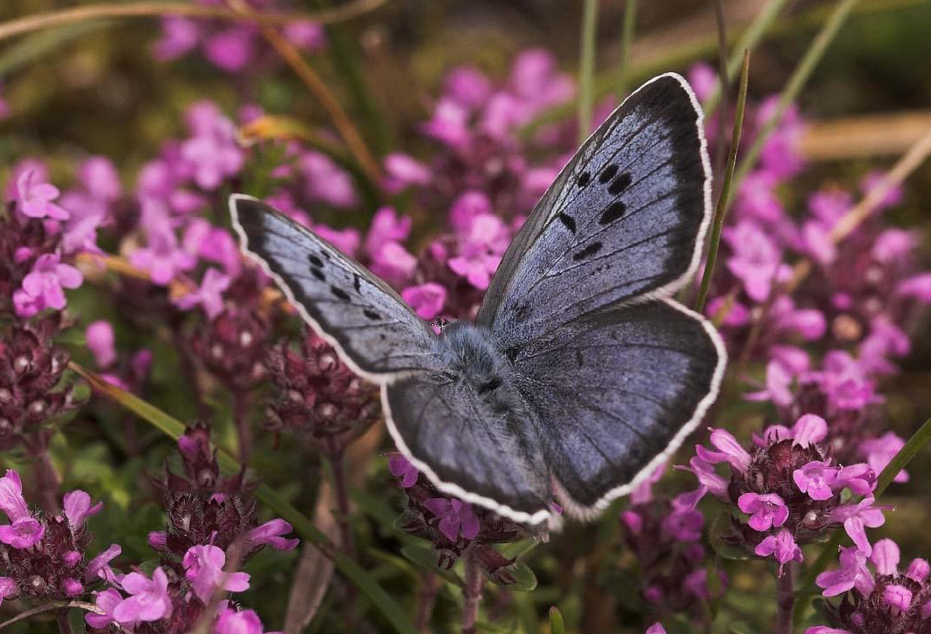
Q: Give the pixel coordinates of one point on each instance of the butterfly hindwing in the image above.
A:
(378, 334)
(618, 392)
(623, 220)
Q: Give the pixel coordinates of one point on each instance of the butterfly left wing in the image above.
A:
(616, 393)
(623, 221)
(376, 333)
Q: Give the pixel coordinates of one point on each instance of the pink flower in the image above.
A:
(756, 259)
(859, 478)
(213, 244)
(231, 49)
(809, 429)
(656, 628)
(326, 181)
(78, 508)
(897, 596)
(148, 601)
(449, 124)
(403, 170)
(918, 570)
(467, 86)
(873, 180)
(879, 452)
(781, 546)
(427, 300)
(918, 286)
(817, 479)
(24, 531)
(856, 517)
(162, 257)
(400, 467)
(455, 516)
(99, 177)
(466, 208)
(703, 79)
(212, 153)
(707, 477)
(12, 501)
(766, 511)
(99, 566)
(106, 602)
(778, 383)
(8, 588)
(179, 37)
(101, 341)
(885, 557)
(35, 198)
(305, 34)
(209, 295)
(203, 567)
(242, 622)
(481, 249)
(684, 524)
(43, 287)
(730, 451)
(270, 533)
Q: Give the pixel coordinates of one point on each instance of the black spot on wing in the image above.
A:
(340, 293)
(587, 252)
(568, 221)
(614, 211)
(356, 282)
(619, 184)
(607, 174)
(318, 273)
(314, 260)
(371, 314)
(584, 179)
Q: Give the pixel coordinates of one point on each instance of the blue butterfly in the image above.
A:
(580, 374)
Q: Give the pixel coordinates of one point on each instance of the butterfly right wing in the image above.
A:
(371, 327)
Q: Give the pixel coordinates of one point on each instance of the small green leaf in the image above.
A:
(557, 626)
(426, 558)
(721, 529)
(524, 579)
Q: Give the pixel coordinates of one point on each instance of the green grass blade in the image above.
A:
(627, 37)
(557, 626)
(796, 82)
(587, 67)
(270, 498)
(748, 40)
(720, 209)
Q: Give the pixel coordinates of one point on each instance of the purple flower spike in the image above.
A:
(455, 516)
(402, 468)
(149, 600)
(766, 511)
(816, 479)
(781, 546)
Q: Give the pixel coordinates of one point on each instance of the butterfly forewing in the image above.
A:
(616, 392)
(622, 221)
(374, 329)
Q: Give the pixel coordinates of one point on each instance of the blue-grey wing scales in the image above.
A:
(624, 219)
(615, 393)
(376, 332)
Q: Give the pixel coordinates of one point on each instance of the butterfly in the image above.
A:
(580, 374)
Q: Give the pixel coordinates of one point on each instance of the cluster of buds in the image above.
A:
(43, 556)
(664, 535)
(787, 489)
(319, 397)
(232, 346)
(31, 370)
(454, 526)
(882, 600)
(205, 508)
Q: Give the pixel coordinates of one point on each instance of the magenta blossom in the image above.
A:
(148, 601)
(43, 287)
(402, 468)
(203, 567)
(101, 342)
(853, 573)
(78, 508)
(816, 479)
(209, 295)
(270, 533)
(232, 621)
(427, 300)
(455, 516)
(766, 511)
(35, 198)
(24, 531)
(106, 601)
(780, 546)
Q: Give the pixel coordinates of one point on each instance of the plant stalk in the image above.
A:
(785, 599)
(47, 480)
(472, 595)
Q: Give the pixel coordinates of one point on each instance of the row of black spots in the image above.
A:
(318, 273)
(615, 211)
(568, 221)
(619, 184)
(587, 252)
(607, 174)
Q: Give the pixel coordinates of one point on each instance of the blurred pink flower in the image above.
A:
(209, 295)
(101, 342)
(427, 300)
(401, 467)
(35, 197)
(179, 36)
(43, 286)
(203, 566)
(306, 34)
(231, 49)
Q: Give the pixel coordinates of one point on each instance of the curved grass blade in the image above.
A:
(557, 625)
(627, 36)
(269, 497)
(724, 197)
(587, 67)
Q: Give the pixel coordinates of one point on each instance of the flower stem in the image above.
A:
(785, 599)
(427, 599)
(47, 480)
(473, 594)
(587, 66)
(340, 487)
(61, 617)
(243, 430)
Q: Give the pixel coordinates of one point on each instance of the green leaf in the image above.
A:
(721, 529)
(524, 579)
(425, 557)
(347, 566)
(557, 626)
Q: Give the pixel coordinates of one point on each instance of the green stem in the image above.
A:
(587, 67)
(796, 82)
(627, 37)
(724, 197)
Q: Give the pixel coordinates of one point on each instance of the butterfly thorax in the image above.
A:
(471, 358)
